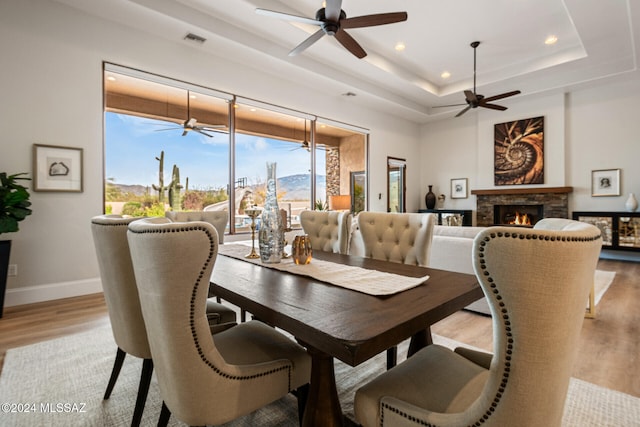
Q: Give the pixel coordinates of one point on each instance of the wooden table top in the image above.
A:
(346, 324)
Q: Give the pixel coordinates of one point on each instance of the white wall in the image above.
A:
(584, 130)
(51, 93)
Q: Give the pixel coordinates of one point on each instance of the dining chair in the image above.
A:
(123, 304)
(219, 219)
(203, 378)
(397, 237)
(536, 281)
(327, 230)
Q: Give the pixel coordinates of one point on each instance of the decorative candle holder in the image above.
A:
(301, 250)
(253, 213)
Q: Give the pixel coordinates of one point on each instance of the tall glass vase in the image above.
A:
(271, 235)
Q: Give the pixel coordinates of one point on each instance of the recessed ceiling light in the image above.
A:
(192, 96)
(400, 46)
(445, 75)
(551, 39)
(111, 78)
(252, 109)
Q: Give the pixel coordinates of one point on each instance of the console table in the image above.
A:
(620, 230)
(467, 220)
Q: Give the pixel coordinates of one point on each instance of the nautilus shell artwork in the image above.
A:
(519, 152)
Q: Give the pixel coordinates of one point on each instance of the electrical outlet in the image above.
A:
(13, 270)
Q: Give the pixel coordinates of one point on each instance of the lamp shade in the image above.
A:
(340, 203)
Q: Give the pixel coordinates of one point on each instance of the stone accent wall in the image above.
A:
(556, 205)
(333, 172)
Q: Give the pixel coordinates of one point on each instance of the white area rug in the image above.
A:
(61, 383)
(602, 281)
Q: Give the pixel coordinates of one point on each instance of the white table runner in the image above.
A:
(359, 279)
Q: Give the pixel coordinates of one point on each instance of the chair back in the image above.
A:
(398, 237)
(328, 230)
(536, 282)
(173, 263)
(119, 284)
(218, 219)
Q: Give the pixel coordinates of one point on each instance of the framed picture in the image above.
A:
(605, 182)
(57, 168)
(519, 152)
(459, 188)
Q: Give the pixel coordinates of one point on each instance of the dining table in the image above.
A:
(333, 321)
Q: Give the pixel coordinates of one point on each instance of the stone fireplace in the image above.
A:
(499, 206)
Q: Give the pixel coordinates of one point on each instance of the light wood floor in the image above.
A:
(608, 356)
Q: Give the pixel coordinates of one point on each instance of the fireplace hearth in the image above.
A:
(544, 202)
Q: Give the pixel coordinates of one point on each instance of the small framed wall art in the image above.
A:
(459, 188)
(57, 168)
(605, 182)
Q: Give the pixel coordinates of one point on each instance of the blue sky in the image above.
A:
(132, 144)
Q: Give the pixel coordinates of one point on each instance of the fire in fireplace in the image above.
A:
(526, 215)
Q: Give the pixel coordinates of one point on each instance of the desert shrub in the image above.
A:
(133, 209)
(193, 201)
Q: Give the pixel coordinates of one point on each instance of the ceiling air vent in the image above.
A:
(195, 38)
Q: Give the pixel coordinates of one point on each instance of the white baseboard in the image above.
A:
(52, 291)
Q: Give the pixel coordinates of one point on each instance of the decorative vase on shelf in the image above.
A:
(271, 235)
(632, 203)
(430, 199)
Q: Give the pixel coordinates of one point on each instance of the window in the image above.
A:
(174, 145)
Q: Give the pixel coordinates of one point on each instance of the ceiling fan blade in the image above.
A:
(350, 43)
(471, 97)
(463, 111)
(493, 106)
(198, 130)
(450, 105)
(287, 16)
(372, 20)
(332, 10)
(212, 128)
(185, 132)
(502, 95)
(308, 42)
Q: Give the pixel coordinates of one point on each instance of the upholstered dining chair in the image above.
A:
(397, 237)
(205, 379)
(219, 219)
(536, 281)
(328, 230)
(123, 304)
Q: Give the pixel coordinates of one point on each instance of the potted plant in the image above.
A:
(14, 207)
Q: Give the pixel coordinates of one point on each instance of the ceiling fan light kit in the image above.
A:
(333, 21)
(474, 99)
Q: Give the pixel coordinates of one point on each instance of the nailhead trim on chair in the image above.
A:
(192, 314)
(505, 318)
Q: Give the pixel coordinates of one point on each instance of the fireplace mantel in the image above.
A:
(539, 190)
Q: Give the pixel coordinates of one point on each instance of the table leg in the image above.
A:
(323, 406)
(419, 340)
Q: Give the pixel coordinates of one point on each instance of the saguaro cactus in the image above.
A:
(160, 188)
(174, 189)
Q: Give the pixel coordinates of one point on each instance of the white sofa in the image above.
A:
(451, 250)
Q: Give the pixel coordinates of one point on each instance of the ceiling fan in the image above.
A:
(475, 100)
(333, 21)
(190, 125)
(305, 144)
